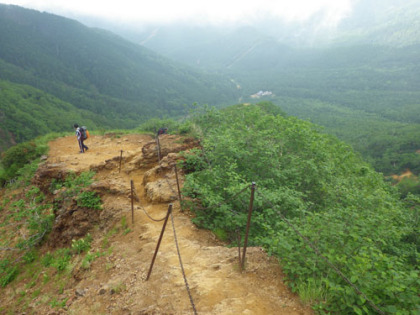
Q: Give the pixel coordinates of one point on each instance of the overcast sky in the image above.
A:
(145, 11)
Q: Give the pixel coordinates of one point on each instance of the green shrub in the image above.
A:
(81, 245)
(193, 161)
(58, 304)
(221, 234)
(153, 125)
(47, 260)
(409, 185)
(56, 184)
(61, 259)
(8, 272)
(187, 127)
(75, 184)
(89, 199)
(19, 155)
(87, 260)
(29, 256)
(26, 173)
(3, 177)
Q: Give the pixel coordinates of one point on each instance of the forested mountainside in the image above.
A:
(115, 82)
(367, 96)
(383, 22)
(362, 84)
(364, 90)
(26, 112)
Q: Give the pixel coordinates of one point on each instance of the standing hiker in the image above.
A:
(162, 131)
(80, 139)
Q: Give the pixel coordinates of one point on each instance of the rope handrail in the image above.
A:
(147, 214)
(160, 165)
(182, 266)
(150, 217)
(305, 239)
(231, 198)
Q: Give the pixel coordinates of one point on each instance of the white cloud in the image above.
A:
(209, 10)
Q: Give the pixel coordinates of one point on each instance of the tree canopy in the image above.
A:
(315, 184)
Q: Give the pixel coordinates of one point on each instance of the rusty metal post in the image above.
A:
(132, 202)
(239, 249)
(159, 152)
(179, 190)
(120, 161)
(248, 223)
(160, 239)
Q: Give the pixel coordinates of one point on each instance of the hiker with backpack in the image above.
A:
(81, 137)
(162, 131)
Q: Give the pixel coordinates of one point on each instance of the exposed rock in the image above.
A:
(46, 173)
(169, 146)
(72, 223)
(102, 291)
(164, 190)
(115, 187)
(80, 292)
(164, 169)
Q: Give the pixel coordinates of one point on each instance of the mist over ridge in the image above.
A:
(359, 78)
(365, 22)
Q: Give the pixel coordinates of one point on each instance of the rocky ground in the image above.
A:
(115, 283)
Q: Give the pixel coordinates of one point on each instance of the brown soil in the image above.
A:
(406, 174)
(116, 282)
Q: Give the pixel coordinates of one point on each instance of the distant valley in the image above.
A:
(360, 82)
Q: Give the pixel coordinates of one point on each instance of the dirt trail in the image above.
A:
(115, 282)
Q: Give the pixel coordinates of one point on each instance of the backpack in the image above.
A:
(84, 132)
(162, 131)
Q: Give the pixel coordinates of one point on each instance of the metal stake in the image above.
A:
(132, 202)
(158, 144)
(248, 223)
(120, 161)
(160, 239)
(239, 248)
(179, 190)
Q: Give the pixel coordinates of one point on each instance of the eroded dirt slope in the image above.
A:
(116, 282)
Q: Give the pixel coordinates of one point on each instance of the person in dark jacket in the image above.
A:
(162, 131)
(80, 139)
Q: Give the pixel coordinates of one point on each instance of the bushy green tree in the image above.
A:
(312, 183)
(15, 158)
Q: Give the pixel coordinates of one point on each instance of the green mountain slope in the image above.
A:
(26, 112)
(366, 95)
(97, 71)
(382, 22)
(212, 48)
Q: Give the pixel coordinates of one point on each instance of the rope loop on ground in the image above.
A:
(149, 216)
